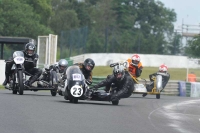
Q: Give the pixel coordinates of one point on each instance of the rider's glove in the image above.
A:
(93, 88)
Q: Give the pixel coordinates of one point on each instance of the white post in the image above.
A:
(38, 49)
(49, 50)
(46, 57)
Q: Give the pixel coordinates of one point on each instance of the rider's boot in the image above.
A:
(32, 80)
(6, 80)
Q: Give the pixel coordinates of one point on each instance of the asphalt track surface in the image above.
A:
(39, 112)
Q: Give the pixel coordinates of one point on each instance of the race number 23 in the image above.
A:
(76, 91)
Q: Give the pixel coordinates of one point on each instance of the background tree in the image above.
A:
(19, 19)
(193, 47)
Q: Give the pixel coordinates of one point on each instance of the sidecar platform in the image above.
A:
(141, 89)
(38, 88)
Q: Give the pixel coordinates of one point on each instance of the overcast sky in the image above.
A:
(187, 10)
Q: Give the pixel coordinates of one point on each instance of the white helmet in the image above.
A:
(163, 68)
(135, 59)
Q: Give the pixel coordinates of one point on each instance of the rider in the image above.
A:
(86, 67)
(165, 78)
(119, 79)
(134, 66)
(30, 62)
(59, 67)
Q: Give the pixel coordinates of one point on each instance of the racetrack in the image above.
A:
(39, 112)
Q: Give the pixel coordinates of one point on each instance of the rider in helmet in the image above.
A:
(86, 67)
(134, 66)
(120, 80)
(61, 66)
(30, 63)
(163, 71)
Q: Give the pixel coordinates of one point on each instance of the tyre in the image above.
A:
(20, 82)
(54, 83)
(158, 96)
(71, 100)
(75, 100)
(14, 92)
(115, 102)
(60, 93)
(53, 92)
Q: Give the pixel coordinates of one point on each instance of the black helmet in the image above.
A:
(89, 64)
(118, 72)
(62, 65)
(30, 49)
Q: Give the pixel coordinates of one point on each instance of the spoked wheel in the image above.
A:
(115, 102)
(20, 82)
(158, 96)
(54, 91)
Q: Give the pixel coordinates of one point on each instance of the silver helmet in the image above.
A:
(62, 65)
(119, 72)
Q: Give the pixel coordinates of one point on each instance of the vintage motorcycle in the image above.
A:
(75, 88)
(16, 79)
(141, 88)
(19, 77)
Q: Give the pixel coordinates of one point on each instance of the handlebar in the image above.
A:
(114, 64)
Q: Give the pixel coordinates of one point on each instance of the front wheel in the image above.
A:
(73, 100)
(115, 102)
(20, 82)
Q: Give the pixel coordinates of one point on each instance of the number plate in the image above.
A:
(76, 91)
(76, 77)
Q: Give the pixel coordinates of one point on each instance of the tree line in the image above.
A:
(118, 26)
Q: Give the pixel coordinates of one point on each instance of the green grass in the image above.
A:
(175, 73)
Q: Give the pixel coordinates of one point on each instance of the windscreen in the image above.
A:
(18, 54)
(74, 73)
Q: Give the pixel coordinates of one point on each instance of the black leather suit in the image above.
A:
(87, 74)
(124, 87)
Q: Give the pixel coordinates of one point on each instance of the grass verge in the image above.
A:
(175, 73)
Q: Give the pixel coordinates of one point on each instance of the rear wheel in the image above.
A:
(115, 102)
(158, 96)
(54, 91)
(54, 83)
(20, 82)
